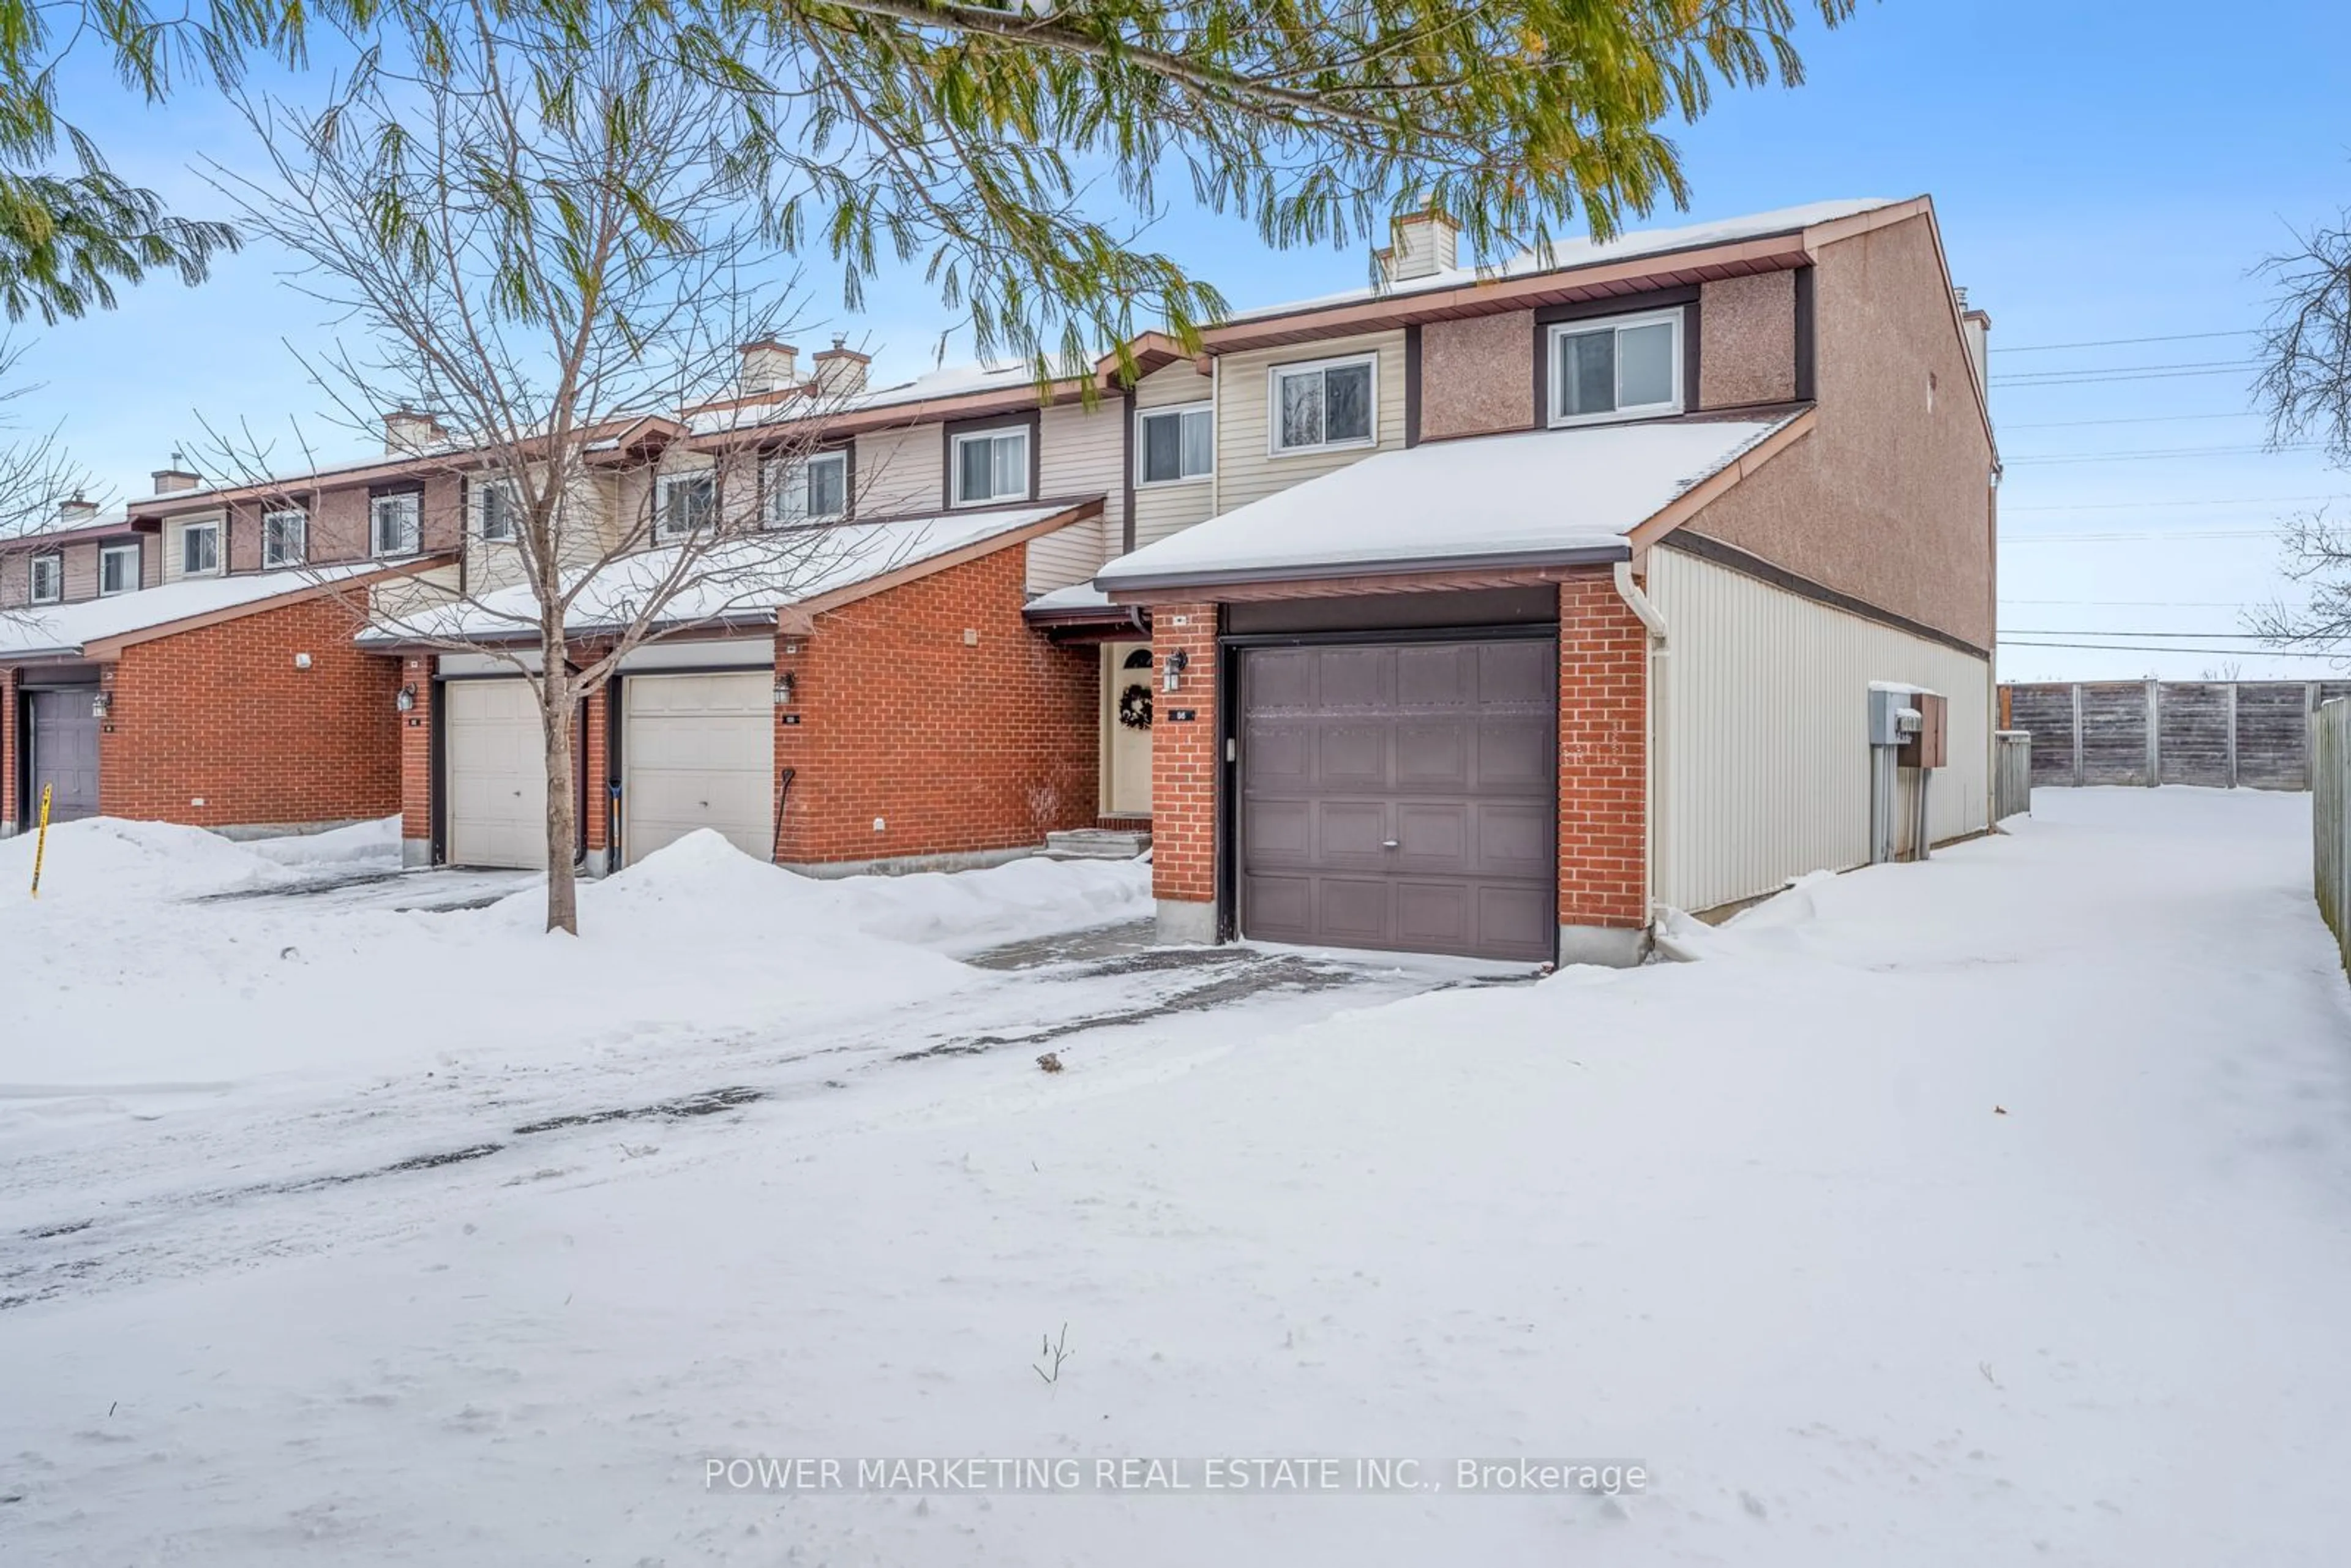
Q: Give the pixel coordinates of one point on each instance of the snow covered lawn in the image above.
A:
(1992, 1211)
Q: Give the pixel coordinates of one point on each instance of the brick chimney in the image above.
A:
(839, 369)
(407, 433)
(1975, 326)
(175, 477)
(768, 367)
(1421, 244)
(73, 514)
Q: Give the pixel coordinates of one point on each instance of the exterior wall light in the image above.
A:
(101, 703)
(1174, 666)
(785, 686)
(406, 700)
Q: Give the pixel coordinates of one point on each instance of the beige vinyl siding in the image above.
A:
(1246, 471)
(1082, 454)
(900, 471)
(418, 590)
(592, 527)
(1762, 718)
(171, 541)
(81, 571)
(1163, 509)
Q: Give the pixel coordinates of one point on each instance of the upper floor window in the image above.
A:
(49, 583)
(118, 567)
(684, 504)
(396, 524)
(1175, 444)
(200, 551)
(498, 509)
(285, 537)
(814, 489)
(1626, 367)
(992, 465)
(1325, 404)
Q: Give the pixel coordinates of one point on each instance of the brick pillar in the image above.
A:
(116, 769)
(597, 744)
(1184, 764)
(9, 810)
(416, 763)
(1604, 669)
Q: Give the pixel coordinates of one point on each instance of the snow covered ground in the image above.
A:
(1991, 1210)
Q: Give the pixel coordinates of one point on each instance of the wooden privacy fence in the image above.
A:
(2221, 733)
(2011, 773)
(2330, 814)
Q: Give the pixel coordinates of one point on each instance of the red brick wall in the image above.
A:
(1602, 757)
(416, 750)
(8, 810)
(221, 713)
(596, 741)
(1184, 759)
(956, 747)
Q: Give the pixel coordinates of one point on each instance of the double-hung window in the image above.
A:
(497, 508)
(1325, 404)
(1175, 445)
(396, 524)
(285, 537)
(200, 551)
(684, 504)
(48, 582)
(992, 465)
(117, 568)
(813, 490)
(1624, 367)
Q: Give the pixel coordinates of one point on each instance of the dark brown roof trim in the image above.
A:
(1509, 561)
(1732, 558)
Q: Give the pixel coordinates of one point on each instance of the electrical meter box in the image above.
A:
(1928, 744)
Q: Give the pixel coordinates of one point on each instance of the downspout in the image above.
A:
(1654, 623)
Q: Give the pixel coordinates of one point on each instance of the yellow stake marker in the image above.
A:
(41, 844)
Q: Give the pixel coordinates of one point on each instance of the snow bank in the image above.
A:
(107, 861)
(375, 843)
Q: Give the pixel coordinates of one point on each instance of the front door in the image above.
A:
(65, 754)
(1128, 696)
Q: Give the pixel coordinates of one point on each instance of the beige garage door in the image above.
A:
(698, 751)
(498, 775)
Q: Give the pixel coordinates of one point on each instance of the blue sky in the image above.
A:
(2100, 173)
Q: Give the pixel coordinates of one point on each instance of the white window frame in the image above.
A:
(1000, 433)
(115, 551)
(1276, 374)
(273, 559)
(187, 530)
(1179, 411)
(1674, 317)
(788, 490)
(481, 490)
(664, 485)
(55, 561)
(413, 502)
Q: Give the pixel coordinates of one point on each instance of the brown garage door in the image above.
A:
(1401, 797)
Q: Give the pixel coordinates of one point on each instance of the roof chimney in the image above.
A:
(175, 477)
(768, 367)
(407, 433)
(73, 514)
(839, 369)
(1421, 244)
(1975, 327)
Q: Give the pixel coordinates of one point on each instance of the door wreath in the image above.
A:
(1134, 706)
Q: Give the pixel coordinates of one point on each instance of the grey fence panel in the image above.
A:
(2046, 714)
(2330, 737)
(2011, 773)
(2272, 731)
(2193, 742)
(2115, 733)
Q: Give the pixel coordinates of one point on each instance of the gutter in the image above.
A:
(1638, 603)
(1507, 561)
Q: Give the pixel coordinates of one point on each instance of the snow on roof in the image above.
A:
(948, 380)
(741, 580)
(1564, 254)
(1077, 596)
(1537, 494)
(69, 628)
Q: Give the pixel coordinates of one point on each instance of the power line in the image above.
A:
(2147, 534)
(2067, 379)
(2122, 342)
(2143, 603)
(2141, 419)
(2133, 506)
(2160, 452)
(2225, 652)
(2101, 632)
(2016, 376)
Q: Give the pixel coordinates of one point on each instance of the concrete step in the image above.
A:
(1097, 844)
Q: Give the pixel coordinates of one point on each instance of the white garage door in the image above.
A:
(498, 775)
(698, 751)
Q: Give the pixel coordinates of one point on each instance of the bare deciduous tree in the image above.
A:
(550, 244)
(2305, 387)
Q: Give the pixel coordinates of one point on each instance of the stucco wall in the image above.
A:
(1477, 375)
(1889, 498)
(1747, 340)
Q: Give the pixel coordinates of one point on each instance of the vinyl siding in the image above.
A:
(171, 541)
(1762, 718)
(900, 471)
(1163, 509)
(592, 512)
(1246, 471)
(1081, 452)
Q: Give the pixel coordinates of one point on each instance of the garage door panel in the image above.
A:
(497, 775)
(1401, 796)
(698, 751)
(64, 752)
